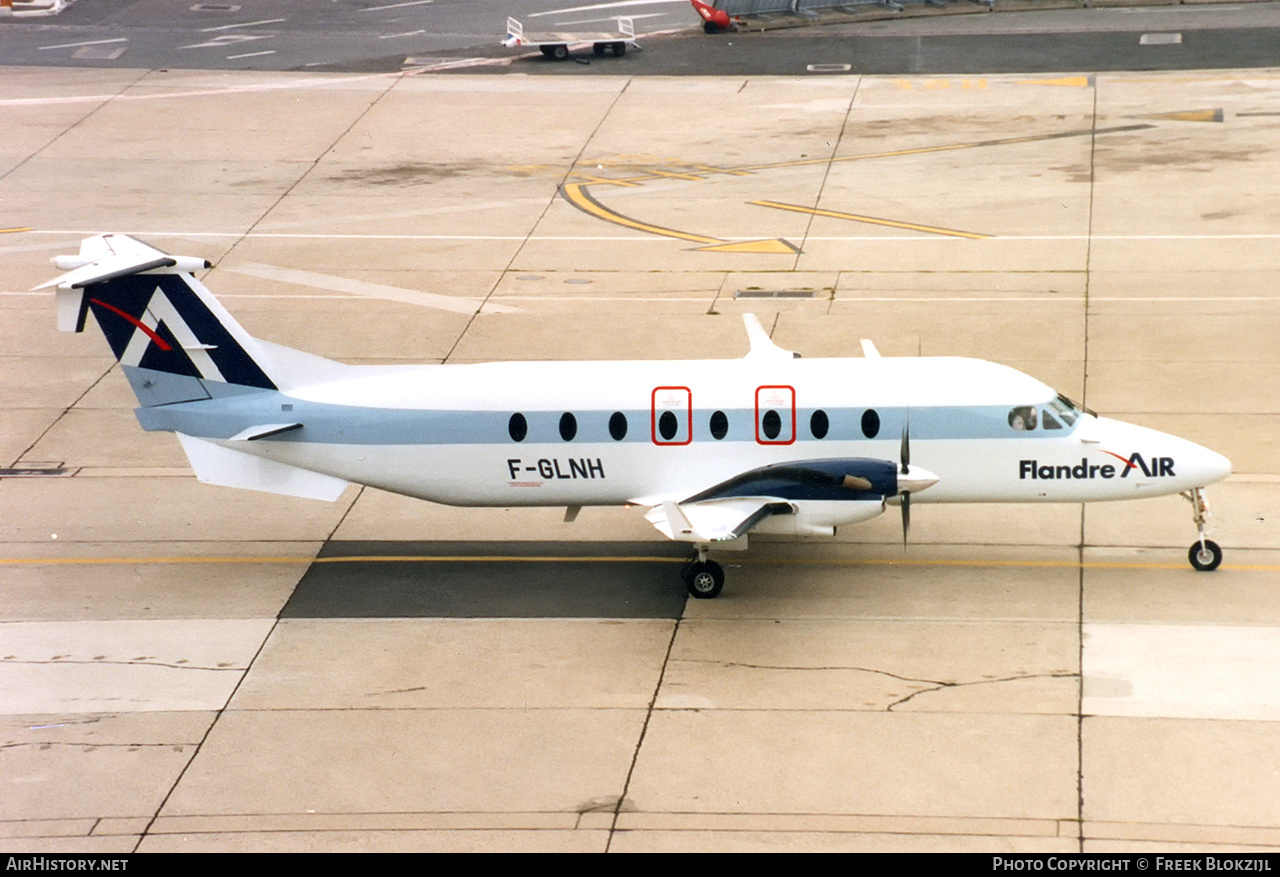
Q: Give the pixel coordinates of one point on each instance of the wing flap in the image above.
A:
(724, 520)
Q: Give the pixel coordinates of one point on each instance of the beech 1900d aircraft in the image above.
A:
(716, 449)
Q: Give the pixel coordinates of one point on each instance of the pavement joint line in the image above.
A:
(507, 558)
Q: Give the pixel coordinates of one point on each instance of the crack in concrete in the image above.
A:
(932, 685)
(947, 685)
(395, 691)
(220, 668)
(89, 747)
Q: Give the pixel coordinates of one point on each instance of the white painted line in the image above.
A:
(312, 82)
(1160, 39)
(645, 238)
(227, 40)
(456, 64)
(241, 24)
(391, 36)
(89, 43)
(611, 18)
(618, 5)
(399, 5)
(251, 54)
(456, 304)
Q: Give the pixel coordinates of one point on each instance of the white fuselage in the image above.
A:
(446, 433)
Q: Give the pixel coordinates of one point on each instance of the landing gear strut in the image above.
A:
(704, 578)
(1205, 555)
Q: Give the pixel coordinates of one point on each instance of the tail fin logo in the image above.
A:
(162, 323)
(161, 312)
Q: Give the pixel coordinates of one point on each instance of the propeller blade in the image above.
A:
(906, 516)
(905, 450)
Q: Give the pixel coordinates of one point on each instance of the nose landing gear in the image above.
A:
(1204, 554)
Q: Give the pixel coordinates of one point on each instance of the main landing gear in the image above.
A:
(1205, 555)
(704, 578)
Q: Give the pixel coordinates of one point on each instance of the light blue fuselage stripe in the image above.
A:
(324, 423)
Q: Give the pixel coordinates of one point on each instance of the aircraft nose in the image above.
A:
(1207, 466)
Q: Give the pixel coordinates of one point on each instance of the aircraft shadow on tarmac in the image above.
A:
(491, 580)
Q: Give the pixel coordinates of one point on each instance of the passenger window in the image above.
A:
(771, 423)
(618, 426)
(667, 425)
(870, 423)
(819, 424)
(517, 427)
(719, 425)
(1023, 418)
(568, 426)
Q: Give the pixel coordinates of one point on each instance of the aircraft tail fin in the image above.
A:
(173, 339)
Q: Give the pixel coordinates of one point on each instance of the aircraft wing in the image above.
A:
(731, 509)
(721, 520)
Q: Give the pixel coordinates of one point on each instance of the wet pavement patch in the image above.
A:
(491, 580)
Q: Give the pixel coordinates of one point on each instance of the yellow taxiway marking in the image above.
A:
(508, 558)
(577, 195)
(1067, 81)
(892, 223)
(13, 230)
(593, 180)
(720, 170)
(1189, 116)
(675, 175)
(952, 147)
(772, 245)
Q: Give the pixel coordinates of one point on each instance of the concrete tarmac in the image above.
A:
(186, 667)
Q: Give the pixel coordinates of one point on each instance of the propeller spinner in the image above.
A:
(910, 481)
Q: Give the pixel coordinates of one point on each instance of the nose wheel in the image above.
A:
(1205, 554)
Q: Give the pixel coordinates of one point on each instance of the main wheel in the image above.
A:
(1205, 558)
(710, 27)
(705, 579)
(559, 52)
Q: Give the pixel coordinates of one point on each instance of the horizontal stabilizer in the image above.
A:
(107, 257)
(214, 464)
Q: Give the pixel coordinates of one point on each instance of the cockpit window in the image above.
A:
(1023, 418)
(1049, 421)
(1062, 403)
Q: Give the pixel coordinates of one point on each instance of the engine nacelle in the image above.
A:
(819, 518)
